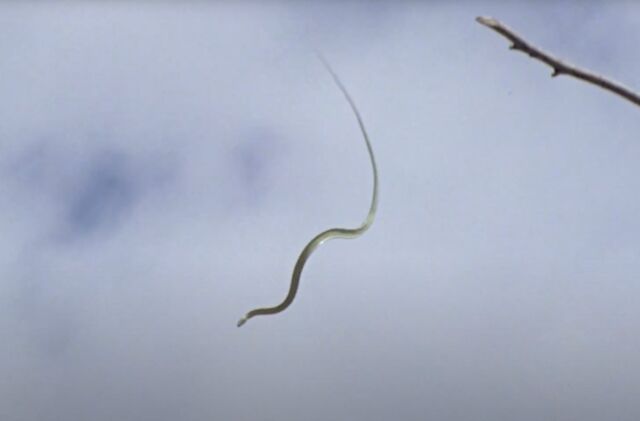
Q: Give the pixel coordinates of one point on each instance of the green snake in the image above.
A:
(330, 233)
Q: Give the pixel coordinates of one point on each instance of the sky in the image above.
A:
(163, 164)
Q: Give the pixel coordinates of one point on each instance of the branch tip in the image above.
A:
(486, 20)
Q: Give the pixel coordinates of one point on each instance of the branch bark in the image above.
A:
(559, 67)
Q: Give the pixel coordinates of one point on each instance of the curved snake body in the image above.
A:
(330, 233)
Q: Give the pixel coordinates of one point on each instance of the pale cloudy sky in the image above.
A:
(163, 164)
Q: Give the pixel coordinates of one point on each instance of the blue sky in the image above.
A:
(163, 165)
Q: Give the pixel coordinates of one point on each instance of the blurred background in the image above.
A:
(163, 164)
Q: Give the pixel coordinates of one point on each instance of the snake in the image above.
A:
(333, 232)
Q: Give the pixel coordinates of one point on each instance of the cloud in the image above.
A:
(102, 198)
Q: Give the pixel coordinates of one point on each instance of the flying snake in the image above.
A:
(330, 233)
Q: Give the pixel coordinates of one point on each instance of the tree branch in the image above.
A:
(559, 67)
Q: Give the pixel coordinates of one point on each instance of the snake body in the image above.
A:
(330, 233)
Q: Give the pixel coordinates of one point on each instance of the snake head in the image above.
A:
(242, 321)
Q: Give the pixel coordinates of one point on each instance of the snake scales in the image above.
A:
(330, 233)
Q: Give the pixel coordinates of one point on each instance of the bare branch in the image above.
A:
(559, 67)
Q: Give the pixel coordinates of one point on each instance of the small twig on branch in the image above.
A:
(559, 67)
